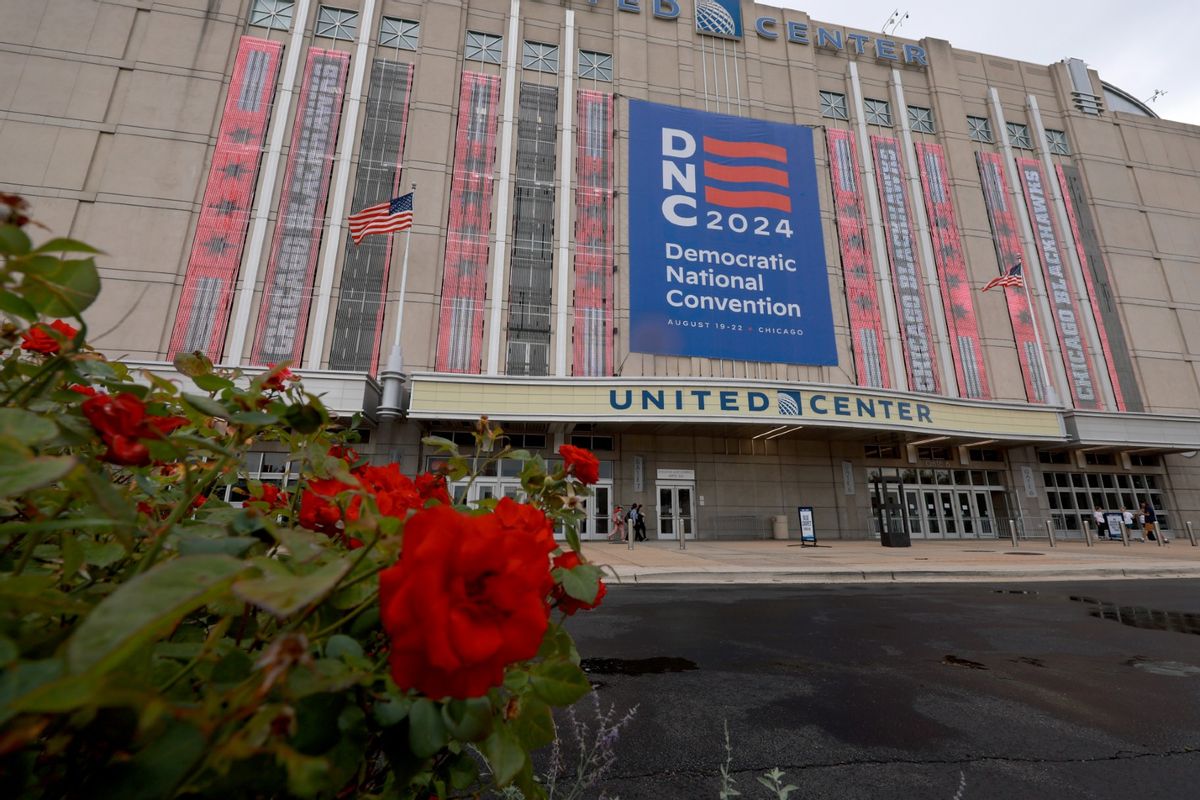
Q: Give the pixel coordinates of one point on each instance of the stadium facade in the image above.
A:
(740, 253)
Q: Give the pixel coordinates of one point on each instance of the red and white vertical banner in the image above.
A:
(951, 266)
(1060, 288)
(1095, 263)
(464, 281)
(221, 231)
(593, 339)
(1004, 223)
(862, 295)
(911, 304)
(287, 291)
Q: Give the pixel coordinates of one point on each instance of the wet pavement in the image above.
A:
(956, 690)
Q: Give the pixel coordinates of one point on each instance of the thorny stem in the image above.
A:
(191, 493)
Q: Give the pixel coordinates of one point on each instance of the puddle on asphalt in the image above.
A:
(1021, 553)
(1013, 591)
(955, 661)
(1030, 660)
(1173, 669)
(1139, 617)
(636, 666)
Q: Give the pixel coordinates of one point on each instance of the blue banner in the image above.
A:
(726, 253)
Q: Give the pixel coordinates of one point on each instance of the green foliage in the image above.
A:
(157, 641)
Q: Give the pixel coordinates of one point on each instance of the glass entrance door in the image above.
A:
(676, 510)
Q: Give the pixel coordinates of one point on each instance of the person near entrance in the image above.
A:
(1127, 518)
(1101, 525)
(639, 525)
(618, 522)
(1148, 520)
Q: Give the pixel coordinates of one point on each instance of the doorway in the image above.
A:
(676, 510)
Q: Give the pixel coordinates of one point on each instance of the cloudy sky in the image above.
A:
(1135, 51)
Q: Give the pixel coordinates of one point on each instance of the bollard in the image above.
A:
(1191, 533)
(1012, 531)
(1158, 537)
(1124, 534)
(1050, 532)
(682, 540)
(1087, 533)
(629, 538)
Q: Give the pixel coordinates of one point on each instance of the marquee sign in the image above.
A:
(439, 396)
(726, 254)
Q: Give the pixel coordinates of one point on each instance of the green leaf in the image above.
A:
(17, 306)
(234, 667)
(13, 241)
(581, 582)
(254, 418)
(36, 593)
(426, 732)
(25, 426)
(23, 679)
(206, 405)
(340, 645)
(61, 288)
(147, 608)
(440, 444)
(464, 771)
(559, 683)
(505, 754)
(61, 245)
(285, 594)
(534, 726)
(468, 720)
(557, 643)
(212, 383)
(302, 545)
(200, 545)
(155, 771)
(33, 473)
(72, 554)
(392, 711)
(307, 776)
(102, 555)
(303, 418)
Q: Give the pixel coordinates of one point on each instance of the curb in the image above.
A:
(892, 576)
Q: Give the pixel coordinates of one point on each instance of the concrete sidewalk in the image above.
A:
(867, 561)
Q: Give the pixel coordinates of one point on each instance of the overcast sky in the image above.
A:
(1136, 47)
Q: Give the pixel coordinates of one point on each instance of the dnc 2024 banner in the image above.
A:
(726, 253)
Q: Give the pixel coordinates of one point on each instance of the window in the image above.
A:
(592, 442)
(878, 112)
(1054, 457)
(337, 23)
(833, 105)
(1100, 459)
(262, 468)
(920, 119)
(597, 66)
(979, 129)
(526, 441)
(275, 14)
(1018, 135)
(981, 454)
(460, 438)
(483, 47)
(1057, 142)
(1138, 460)
(933, 453)
(540, 57)
(399, 33)
(881, 451)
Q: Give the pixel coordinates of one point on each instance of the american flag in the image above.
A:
(394, 215)
(1011, 278)
(753, 172)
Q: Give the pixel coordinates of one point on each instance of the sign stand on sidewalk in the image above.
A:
(808, 533)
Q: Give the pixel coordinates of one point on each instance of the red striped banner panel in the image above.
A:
(951, 265)
(1003, 219)
(1060, 287)
(212, 268)
(464, 281)
(593, 339)
(287, 293)
(862, 294)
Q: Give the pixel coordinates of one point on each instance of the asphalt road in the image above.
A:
(963, 691)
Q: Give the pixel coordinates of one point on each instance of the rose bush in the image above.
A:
(353, 634)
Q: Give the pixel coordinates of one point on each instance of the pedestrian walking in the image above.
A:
(639, 527)
(618, 523)
(1127, 518)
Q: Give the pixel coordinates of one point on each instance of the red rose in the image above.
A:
(565, 603)
(433, 487)
(319, 512)
(466, 599)
(121, 421)
(347, 454)
(395, 495)
(86, 391)
(521, 519)
(273, 496)
(39, 340)
(581, 463)
(277, 377)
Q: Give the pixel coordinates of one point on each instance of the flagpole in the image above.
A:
(392, 376)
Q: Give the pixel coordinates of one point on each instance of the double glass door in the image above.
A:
(676, 510)
(966, 510)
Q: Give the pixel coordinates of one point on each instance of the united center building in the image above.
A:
(742, 254)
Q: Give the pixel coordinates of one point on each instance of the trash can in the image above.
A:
(898, 538)
(779, 527)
